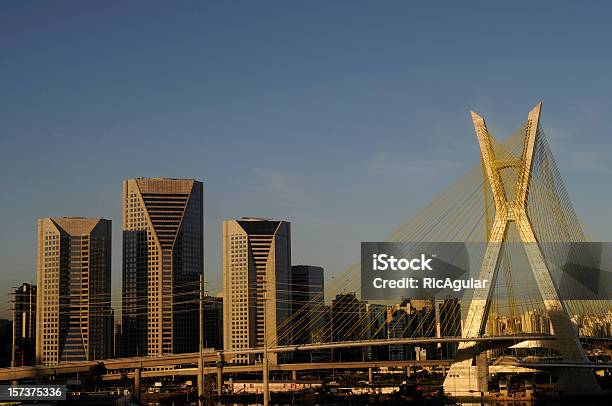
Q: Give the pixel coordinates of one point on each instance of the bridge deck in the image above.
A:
(8, 374)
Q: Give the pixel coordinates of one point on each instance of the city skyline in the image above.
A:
(269, 202)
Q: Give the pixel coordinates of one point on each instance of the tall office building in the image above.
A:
(162, 263)
(347, 325)
(398, 319)
(24, 325)
(74, 316)
(307, 307)
(212, 308)
(376, 329)
(117, 340)
(448, 320)
(256, 260)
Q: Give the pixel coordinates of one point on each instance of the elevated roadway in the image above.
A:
(211, 356)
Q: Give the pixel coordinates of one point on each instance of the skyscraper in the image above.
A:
(162, 262)
(24, 325)
(347, 325)
(118, 340)
(398, 319)
(307, 307)
(212, 308)
(74, 317)
(256, 262)
(449, 323)
(376, 329)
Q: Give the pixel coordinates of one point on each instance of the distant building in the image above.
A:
(213, 322)
(413, 318)
(6, 341)
(256, 260)
(24, 325)
(536, 321)
(398, 319)
(448, 320)
(327, 332)
(162, 263)
(74, 315)
(594, 326)
(307, 301)
(376, 329)
(307, 307)
(346, 325)
(118, 341)
(499, 324)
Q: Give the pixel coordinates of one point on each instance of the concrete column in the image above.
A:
(370, 375)
(266, 379)
(200, 382)
(294, 375)
(219, 379)
(137, 383)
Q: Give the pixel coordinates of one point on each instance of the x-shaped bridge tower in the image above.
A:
(469, 373)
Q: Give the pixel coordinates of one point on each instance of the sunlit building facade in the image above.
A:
(256, 264)
(162, 263)
(74, 315)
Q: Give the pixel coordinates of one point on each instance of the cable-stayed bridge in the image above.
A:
(513, 195)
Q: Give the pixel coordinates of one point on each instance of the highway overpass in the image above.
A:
(211, 356)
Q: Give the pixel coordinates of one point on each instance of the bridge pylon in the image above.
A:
(469, 374)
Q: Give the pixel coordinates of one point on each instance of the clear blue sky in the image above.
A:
(342, 117)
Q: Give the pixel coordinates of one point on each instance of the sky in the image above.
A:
(341, 117)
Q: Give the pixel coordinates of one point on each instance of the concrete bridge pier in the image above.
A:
(219, 378)
(294, 375)
(200, 382)
(370, 375)
(137, 383)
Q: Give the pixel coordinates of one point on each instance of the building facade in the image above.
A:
(347, 325)
(162, 262)
(307, 301)
(24, 325)
(6, 339)
(118, 340)
(376, 329)
(307, 307)
(448, 321)
(256, 264)
(413, 318)
(73, 301)
(398, 319)
(212, 309)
